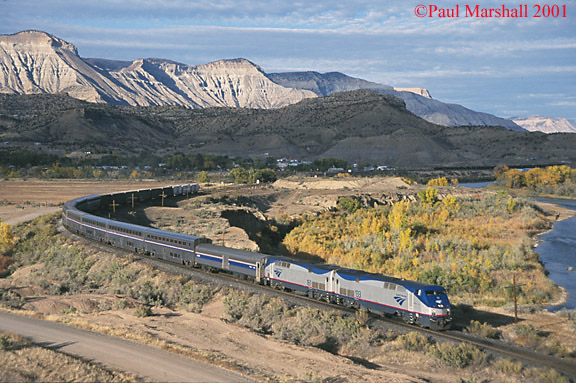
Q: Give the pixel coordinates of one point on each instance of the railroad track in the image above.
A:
(493, 346)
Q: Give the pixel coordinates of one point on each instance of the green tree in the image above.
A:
(203, 177)
(240, 175)
(349, 204)
(265, 175)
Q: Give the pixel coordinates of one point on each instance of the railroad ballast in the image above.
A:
(418, 303)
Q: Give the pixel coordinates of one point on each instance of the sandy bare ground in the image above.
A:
(59, 191)
(148, 362)
(206, 332)
(24, 200)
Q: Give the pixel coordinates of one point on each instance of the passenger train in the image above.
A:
(417, 303)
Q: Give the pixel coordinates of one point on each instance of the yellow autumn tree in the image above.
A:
(6, 237)
(6, 243)
(442, 181)
(397, 217)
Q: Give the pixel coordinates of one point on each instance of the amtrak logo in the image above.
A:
(400, 299)
(278, 273)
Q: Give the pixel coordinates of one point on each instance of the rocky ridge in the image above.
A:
(545, 124)
(418, 100)
(36, 62)
(360, 126)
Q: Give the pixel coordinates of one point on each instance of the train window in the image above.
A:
(430, 292)
(441, 292)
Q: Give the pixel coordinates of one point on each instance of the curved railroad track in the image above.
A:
(493, 346)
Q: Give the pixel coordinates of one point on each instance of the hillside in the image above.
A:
(358, 126)
(33, 62)
(418, 101)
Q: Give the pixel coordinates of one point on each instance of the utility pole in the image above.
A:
(114, 204)
(514, 288)
(163, 195)
(515, 298)
(132, 201)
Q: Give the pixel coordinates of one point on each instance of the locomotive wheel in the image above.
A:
(408, 318)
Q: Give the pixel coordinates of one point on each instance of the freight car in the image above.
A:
(417, 303)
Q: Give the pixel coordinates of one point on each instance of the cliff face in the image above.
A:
(35, 62)
(227, 83)
(545, 124)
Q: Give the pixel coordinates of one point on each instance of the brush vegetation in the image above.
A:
(22, 361)
(558, 179)
(471, 246)
(63, 266)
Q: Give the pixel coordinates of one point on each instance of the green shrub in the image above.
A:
(414, 341)
(548, 375)
(5, 342)
(508, 366)
(194, 296)
(255, 311)
(459, 356)
(143, 311)
(235, 304)
(482, 329)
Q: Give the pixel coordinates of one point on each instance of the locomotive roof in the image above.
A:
(234, 253)
(351, 274)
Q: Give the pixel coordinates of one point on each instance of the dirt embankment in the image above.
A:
(205, 333)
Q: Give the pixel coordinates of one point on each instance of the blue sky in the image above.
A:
(508, 67)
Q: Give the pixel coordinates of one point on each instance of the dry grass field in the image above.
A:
(24, 200)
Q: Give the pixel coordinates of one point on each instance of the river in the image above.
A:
(558, 253)
(557, 250)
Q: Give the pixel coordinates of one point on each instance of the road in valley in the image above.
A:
(150, 363)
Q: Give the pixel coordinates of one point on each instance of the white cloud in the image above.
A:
(483, 62)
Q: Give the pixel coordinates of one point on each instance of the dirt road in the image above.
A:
(150, 363)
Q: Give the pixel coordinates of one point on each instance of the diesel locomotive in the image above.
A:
(417, 303)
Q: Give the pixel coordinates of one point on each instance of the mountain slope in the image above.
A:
(228, 83)
(359, 126)
(545, 124)
(431, 110)
(36, 62)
